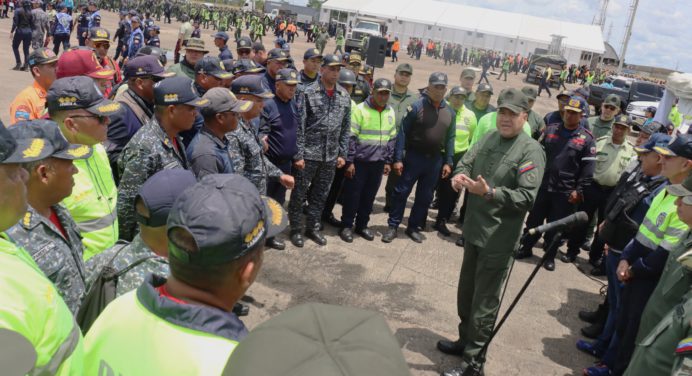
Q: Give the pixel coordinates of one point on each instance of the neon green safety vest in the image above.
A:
(465, 125)
(661, 226)
(92, 203)
(372, 127)
(31, 306)
(488, 123)
(144, 344)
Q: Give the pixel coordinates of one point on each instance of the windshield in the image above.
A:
(368, 26)
(649, 89)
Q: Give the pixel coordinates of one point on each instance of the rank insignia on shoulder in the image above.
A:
(684, 346)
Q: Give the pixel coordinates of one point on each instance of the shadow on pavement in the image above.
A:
(423, 341)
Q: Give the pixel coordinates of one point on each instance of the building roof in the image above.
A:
(610, 52)
(578, 36)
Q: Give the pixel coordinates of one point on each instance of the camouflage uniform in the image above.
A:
(60, 259)
(124, 256)
(322, 137)
(247, 156)
(149, 151)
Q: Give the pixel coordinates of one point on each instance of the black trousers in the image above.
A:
(447, 197)
(274, 189)
(334, 192)
(633, 299)
(359, 193)
(595, 197)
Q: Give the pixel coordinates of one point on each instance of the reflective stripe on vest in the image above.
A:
(112, 349)
(462, 134)
(93, 203)
(661, 226)
(373, 127)
(63, 352)
(32, 307)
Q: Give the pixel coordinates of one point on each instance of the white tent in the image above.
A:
(473, 26)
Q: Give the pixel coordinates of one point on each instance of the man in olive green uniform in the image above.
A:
(535, 120)
(664, 340)
(502, 173)
(601, 125)
(400, 99)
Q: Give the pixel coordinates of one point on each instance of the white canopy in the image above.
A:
(481, 20)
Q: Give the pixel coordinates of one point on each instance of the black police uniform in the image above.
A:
(571, 159)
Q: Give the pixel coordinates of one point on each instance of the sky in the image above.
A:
(658, 37)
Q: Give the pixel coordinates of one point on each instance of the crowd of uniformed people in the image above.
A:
(139, 199)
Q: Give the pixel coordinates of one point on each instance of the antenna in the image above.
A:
(628, 33)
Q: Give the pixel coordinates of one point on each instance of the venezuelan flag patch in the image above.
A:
(684, 346)
(528, 166)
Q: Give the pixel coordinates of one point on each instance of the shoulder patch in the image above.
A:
(684, 346)
(526, 167)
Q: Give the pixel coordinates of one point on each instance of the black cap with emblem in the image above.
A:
(287, 75)
(72, 93)
(177, 90)
(26, 131)
(226, 217)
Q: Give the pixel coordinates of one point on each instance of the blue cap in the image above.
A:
(244, 42)
(251, 85)
(56, 144)
(277, 54)
(680, 146)
(226, 217)
(287, 75)
(159, 193)
(72, 93)
(212, 65)
(221, 35)
(177, 90)
(577, 104)
(246, 66)
(656, 140)
(311, 52)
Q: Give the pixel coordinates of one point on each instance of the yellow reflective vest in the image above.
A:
(93, 201)
(31, 306)
(661, 226)
(373, 133)
(465, 126)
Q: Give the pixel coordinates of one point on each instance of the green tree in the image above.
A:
(316, 4)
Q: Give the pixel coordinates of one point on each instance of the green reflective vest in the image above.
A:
(661, 226)
(145, 344)
(465, 126)
(92, 203)
(372, 127)
(488, 123)
(31, 306)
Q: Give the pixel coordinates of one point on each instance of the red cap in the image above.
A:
(82, 62)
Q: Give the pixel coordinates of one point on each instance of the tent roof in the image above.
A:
(488, 21)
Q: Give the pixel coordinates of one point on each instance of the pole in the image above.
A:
(628, 34)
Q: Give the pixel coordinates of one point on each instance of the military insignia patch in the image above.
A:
(684, 346)
(35, 149)
(526, 167)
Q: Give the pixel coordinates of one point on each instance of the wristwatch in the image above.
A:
(490, 194)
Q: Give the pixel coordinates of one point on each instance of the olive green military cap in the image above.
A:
(514, 100)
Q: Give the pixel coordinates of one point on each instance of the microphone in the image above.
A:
(574, 219)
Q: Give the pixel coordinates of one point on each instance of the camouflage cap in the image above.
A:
(196, 44)
(404, 67)
(683, 190)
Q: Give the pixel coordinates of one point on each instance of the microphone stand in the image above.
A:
(475, 367)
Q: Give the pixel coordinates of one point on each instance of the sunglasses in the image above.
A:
(611, 108)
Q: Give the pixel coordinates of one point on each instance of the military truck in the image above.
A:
(363, 27)
(539, 63)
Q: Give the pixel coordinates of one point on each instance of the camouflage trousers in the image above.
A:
(317, 176)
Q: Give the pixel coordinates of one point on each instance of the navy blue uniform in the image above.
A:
(225, 53)
(427, 134)
(571, 159)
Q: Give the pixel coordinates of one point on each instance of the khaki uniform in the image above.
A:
(611, 160)
(514, 167)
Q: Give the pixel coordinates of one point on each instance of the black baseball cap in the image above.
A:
(243, 43)
(288, 76)
(99, 34)
(246, 66)
(484, 88)
(159, 193)
(438, 78)
(42, 55)
(680, 146)
(622, 119)
(331, 60)
(23, 150)
(221, 100)
(258, 46)
(458, 90)
(72, 93)
(277, 54)
(226, 217)
(177, 90)
(312, 52)
(49, 131)
(212, 65)
(382, 84)
(252, 85)
(565, 93)
(347, 77)
(146, 65)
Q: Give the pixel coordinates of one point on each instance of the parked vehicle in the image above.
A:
(539, 63)
(628, 90)
(363, 27)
